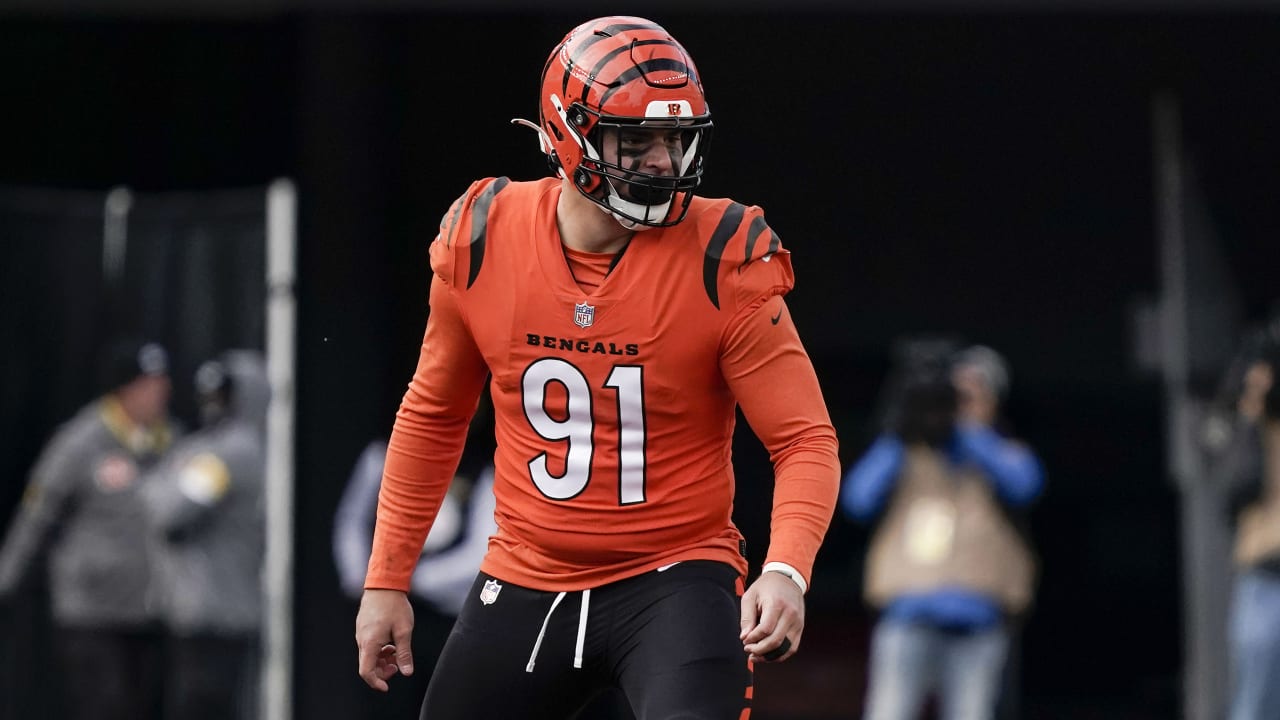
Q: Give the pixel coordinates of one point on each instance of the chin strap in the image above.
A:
(614, 200)
(624, 222)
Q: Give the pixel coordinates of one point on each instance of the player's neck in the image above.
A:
(584, 227)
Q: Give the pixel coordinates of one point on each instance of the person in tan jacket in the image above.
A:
(947, 567)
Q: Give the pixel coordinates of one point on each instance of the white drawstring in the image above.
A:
(534, 655)
(582, 631)
(582, 628)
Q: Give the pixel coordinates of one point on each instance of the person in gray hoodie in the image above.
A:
(206, 508)
(83, 505)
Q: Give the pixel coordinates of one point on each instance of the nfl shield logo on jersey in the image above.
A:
(584, 315)
(490, 591)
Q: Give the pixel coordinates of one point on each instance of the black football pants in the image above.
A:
(668, 640)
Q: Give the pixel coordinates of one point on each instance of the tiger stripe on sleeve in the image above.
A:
(459, 247)
(744, 263)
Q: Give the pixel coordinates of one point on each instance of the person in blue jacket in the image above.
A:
(949, 567)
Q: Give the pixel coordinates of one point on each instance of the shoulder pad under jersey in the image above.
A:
(744, 262)
(457, 252)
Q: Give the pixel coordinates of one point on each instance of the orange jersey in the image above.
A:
(614, 406)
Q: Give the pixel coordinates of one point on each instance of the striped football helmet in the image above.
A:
(620, 80)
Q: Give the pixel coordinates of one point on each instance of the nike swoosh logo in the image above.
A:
(776, 318)
(665, 568)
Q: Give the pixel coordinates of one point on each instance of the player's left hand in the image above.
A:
(772, 618)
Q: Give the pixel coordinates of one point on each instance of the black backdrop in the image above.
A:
(983, 174)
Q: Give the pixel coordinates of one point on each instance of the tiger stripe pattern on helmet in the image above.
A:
(666, 55)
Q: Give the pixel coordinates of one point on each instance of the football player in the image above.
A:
(619, 320)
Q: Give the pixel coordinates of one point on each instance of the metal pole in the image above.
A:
(115, 234)
(277, 669)
(1203, 696)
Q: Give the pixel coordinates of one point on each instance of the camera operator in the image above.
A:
(947, 568)
(1243, 448)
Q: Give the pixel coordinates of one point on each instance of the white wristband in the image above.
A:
(785, 569)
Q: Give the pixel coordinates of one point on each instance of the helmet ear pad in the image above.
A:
(582, 126)
(571, 128)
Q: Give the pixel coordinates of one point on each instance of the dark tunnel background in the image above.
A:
(986, 174)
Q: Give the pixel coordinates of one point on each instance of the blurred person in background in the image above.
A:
(1243, 450)
(450, 557)
(83, 504)
(949, 569)
(446, 570)
(206, 505)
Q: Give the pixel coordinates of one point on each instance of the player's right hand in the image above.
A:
(384, 628)
(772, 618)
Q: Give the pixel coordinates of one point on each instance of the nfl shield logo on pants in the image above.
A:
(584, 315)
(490, 591)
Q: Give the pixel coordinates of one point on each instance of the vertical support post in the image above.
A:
(1204, 678)
(115, 234)
(277, 669)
